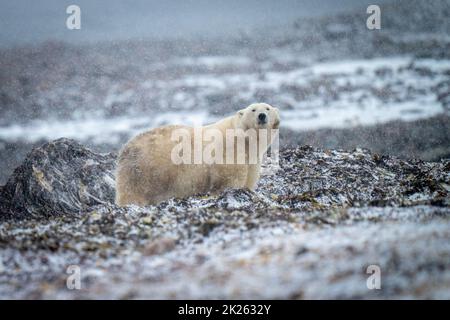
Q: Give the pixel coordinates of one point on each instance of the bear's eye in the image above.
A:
(254, 110)
(267, 109)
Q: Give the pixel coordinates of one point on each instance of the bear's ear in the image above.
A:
(240, 113)
(276, 123)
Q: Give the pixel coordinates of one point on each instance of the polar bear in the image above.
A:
(149, 170)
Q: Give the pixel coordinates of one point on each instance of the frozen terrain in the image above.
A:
(315, 223)
(311, 229)
(318, 95)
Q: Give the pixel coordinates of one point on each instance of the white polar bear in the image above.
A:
(147, 173)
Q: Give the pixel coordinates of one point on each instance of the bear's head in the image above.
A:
(258, 116)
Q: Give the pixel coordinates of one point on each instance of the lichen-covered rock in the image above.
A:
(60, 177)
(314, 178)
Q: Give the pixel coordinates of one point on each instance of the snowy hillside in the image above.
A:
(364, 174)
(318, 95)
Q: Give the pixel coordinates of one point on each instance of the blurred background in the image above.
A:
(139, 64)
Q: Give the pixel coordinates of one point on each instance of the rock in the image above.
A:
(311, 178)
(60, 177)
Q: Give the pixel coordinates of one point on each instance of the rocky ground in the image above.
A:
(311, 229)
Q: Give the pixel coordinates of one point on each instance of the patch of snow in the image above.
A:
(97, 130)
(369, 112)
(353, 66)
(214, 61)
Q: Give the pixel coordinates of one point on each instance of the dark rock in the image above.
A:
(57, 178)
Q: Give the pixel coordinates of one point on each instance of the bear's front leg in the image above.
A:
(253, 176)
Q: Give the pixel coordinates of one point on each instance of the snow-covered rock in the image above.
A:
(58, 178)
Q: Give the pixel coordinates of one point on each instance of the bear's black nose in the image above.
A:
(262, 117)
